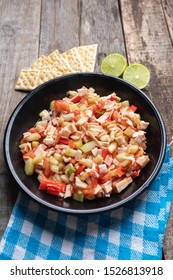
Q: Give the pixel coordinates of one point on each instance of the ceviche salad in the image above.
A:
(86, 146)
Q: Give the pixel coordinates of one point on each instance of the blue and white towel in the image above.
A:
(133, 232)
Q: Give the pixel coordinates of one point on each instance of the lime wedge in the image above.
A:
(114, 64)
(137, 74)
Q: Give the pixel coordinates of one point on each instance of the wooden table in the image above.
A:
(140, 30)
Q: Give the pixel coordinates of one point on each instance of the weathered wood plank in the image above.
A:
(168, 10)
(60, 21)
(148, 41)
(19, 32)
(101, 24)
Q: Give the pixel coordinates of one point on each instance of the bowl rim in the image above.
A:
(113, 206)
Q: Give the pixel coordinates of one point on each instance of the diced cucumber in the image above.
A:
(112, 147)
(88, 146)
(61, 165)
(51, 104)
(35, 144)
(58, 157)
(52, 160)
(71, 170)
(78, 197)
(54, 168)
(70, 152)
(29, 167)
(86, 161)
(22, 146)
(129, 131)
(78, 144)
(37, 160)
(33, 137)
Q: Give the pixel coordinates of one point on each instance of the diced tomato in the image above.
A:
(95, 108)
(29, 154)
(89, 191)
(105, 152)
(76, 99)
(132, 108)
(135, 174)
(114, 154)
(63, 140)
(101, 104)
(61, 105)
(118, 172)
(76, 115)
(33, 130)
(80, 169)
(94, 182)
(136, 166)
(71, 144)
(139, 153)
(114, 97)
(108, 176)
(73, 161)
(114, 116)
(52, 186)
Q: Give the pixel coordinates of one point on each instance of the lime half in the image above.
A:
(114, 64)
(137, 74)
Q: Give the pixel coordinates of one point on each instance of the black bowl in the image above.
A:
(26, 114)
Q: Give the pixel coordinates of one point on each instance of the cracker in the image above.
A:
(73, 59)
(27, 80)
(59, 63)
(88, 56)
(45, 76)
(42, 63)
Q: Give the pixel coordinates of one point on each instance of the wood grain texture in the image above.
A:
(148, 41)
(19, 32)
(150, 44)
(60, 22)
(101, 24)
(168, 11)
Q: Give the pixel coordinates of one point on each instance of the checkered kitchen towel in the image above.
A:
(132, 232)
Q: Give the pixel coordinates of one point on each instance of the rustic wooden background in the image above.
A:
(140, 30)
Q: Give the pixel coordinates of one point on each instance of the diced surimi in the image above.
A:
(97, 189)
(143, 160)
(103, 118)
(71, 128)
(143, 125)
(68, 117)
(119, 186)
(107, 187)
(64, 132)
(68, 191)
(39, 152)
(95, 151)
(26, 134)
(103, 168)
(77, 135)
(48, 140)
(78, 155)
(94, 138)
(138, 133)
(108, 160)
(81, 121)
(89, 113)
(82, 90)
